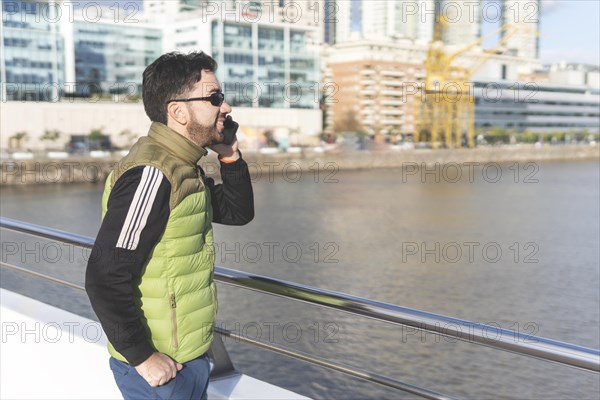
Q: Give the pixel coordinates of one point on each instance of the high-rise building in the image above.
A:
(110, 57)
(32, 65)
(462, 21)
(158, 10)
(376, 81)
(329, 21)
(378, 19)
(414, 20)
(384, 20)
(297, 12)
(267, 51)
(524, 16)
(273, 65)
(342, 11)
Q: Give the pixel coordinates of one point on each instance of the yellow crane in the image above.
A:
(447, 105)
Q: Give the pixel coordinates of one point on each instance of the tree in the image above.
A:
(348, 124)
(97, 140)
(18, 138)
(498, 135)
(528, 137)
(96, 134)
(51, 135)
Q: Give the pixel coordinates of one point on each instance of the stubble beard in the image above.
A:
(202, 135)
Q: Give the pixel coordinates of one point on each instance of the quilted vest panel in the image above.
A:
(176, 293)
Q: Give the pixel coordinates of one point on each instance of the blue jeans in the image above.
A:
(189, 383)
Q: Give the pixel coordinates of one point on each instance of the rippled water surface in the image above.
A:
(508, 251)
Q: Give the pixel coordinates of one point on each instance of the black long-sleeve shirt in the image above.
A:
(137, 214)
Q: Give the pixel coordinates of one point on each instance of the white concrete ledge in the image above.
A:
(49, 353)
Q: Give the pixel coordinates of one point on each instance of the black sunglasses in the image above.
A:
(216, 99)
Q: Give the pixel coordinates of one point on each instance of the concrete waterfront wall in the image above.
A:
(80, 117)
(293, 166)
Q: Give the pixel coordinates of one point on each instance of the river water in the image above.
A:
(516, 247)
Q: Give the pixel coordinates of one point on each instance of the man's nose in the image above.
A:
(225, 108)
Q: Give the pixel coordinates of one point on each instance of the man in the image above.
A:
(150, 275)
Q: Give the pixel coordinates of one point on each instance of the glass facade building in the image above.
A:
(32, 63)
(536, 107)
(112, 58)
(271, 65)
(304, 69)
(267, 65)
(44, 56)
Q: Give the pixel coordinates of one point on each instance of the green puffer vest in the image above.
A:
(176, 292)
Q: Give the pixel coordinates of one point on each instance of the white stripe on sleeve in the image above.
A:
(140, 208)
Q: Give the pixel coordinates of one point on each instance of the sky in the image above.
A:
(569, 29)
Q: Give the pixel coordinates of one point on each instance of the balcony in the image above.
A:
(392, 73)
(367, 82)
(392, 83)
(368, 92)
(367, 72)
(389, 92)
(396, 112)
(366, 102)
(391, 122)
(392, 102)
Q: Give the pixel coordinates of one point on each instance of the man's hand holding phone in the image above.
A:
(228, 150)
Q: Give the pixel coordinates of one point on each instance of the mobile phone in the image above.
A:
(231, 128)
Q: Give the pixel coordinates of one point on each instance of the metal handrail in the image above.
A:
(228, 367)
(222, 364)
(533, 346)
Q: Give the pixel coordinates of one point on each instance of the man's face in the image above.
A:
(205, 125)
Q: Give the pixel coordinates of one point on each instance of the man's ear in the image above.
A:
(176, 112)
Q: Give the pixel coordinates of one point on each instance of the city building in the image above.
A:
(330, 20)
(109, 57)
(574, 74)
(287, 66)
(297, 12)
(563, 96)
(32, 65)
(383, 20)
(261, 64)
(378, 86)
(537, 107)
(374, 82)
(462, 21)
(46, 55)
(168, 9)
(525, 15)
(270, 71)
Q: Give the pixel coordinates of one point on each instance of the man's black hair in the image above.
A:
(170, 76)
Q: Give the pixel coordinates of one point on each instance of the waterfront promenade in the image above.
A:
(81, 169)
